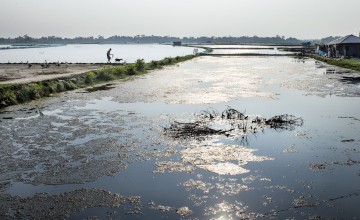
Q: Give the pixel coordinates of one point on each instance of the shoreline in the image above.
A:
(17, 91)
(21, 84)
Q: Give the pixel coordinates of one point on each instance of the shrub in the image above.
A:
(118, 71)
(7, 98)
(69, 85)
(89, 77)
(104, 74)
(154, 64)
(130, 69)
(35, 91)
(60, 86)
(140, 65)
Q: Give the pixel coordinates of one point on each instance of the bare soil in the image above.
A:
(22, 73)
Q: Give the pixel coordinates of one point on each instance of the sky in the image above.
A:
(305, 19)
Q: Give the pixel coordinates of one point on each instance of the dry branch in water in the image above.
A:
(237, 123)
(192, 129)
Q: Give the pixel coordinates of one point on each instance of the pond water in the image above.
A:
(116, 140)
(248, 49)
(92, 53)
(262, 51)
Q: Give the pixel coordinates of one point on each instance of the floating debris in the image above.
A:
(284, 122)
(197, 184)
(228, 210)
(318, 166)
(161, 208)
(351, 162)
(290, 150)
(298, 203)
(167, 166)
(300, 134)
(224, 168)
(220, 158)
(233, 114)
(183, 211)
(45, 206)
(230, 122)
(98, 88)
(231, 188)
(192, 129)
(347, 140)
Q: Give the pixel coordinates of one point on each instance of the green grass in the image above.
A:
(352, 64)
(12, 94)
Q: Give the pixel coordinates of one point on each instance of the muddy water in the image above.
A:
(105, 154)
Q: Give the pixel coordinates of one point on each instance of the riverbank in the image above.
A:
(36, 86)
(21, 73)
(352, 64)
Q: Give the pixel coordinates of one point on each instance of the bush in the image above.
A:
(60, 86)
(140, 65)
(104, 74)
(89, 77)
(118, 71)
(35, 91)
(7, 98)
(130, 69)
(69, 85)
(154, 64)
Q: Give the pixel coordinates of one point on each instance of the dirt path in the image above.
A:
(22, 73)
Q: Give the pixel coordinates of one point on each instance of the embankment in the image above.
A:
(12, 94)
(352, 64)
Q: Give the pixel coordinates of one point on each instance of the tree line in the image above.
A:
(143, 39)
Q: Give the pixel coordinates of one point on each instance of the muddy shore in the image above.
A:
(26, 82)
(17, 73)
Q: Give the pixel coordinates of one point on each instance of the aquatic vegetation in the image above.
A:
(162, 208)
(45, 206)
(183, 211)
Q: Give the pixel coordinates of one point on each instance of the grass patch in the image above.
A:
(12, 94)
(352, 64)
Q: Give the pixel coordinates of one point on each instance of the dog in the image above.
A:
(118, 60)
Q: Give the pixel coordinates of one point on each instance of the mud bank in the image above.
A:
(351, 64)
(22, 83)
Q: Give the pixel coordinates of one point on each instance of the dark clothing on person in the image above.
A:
(108, 55)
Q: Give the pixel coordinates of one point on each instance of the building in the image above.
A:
(348, 46)
(177, 43)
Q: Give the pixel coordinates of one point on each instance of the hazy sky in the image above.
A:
(303, 19)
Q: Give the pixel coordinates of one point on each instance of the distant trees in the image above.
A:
(143, 39)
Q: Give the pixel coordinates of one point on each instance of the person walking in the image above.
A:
(108, 54)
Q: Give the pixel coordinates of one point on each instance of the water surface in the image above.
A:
(93, 53)
(114, 140)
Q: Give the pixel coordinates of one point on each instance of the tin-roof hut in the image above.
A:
(348, 46)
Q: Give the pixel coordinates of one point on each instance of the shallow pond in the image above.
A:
(108, 152)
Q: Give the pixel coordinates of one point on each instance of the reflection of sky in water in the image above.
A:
(249, 51)
(93, 53)
(278, 166)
